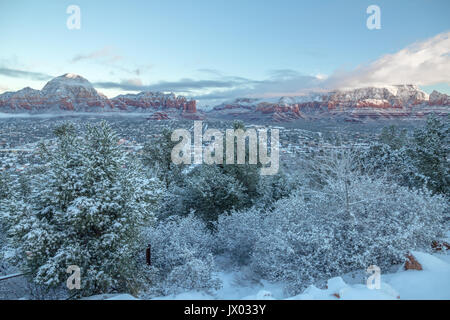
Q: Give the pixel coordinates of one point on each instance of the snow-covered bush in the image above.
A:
(86, 208)
(181, 251)
(210, 192)
(417, 161)
(274, 187)
(347, 225)
(237, 233)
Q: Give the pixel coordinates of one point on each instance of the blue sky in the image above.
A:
(224, 48)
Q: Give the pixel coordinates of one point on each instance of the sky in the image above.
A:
(212, 50)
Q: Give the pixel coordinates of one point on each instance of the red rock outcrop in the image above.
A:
(158, 116)
(391, 102)
(439, 99)
(440, 245)
(153, 100)
(411, 263)
(72, 92)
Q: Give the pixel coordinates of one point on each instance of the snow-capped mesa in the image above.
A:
(399, 101)
(69, 92)
(73, 93)
(147, 99)
(439, 99)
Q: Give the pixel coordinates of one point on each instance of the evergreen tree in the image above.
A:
(87, 209)
(210, 192)
(157, 156)
(416, 162)
(246, 174)
(430, 151)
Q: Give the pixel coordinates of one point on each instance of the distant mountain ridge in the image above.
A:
(73, 93)
(400, 101)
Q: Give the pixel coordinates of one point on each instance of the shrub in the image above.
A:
(316, 234)
(237, 233)
(181, 256)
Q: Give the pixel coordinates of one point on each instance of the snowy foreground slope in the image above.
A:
(433, 282)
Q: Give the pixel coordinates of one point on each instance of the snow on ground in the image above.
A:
(433, 282)
(124, 296)
(338, 289)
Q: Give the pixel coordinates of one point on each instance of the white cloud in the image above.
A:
(3, 89)
(133, 82)
(422, 63)
(104, 53)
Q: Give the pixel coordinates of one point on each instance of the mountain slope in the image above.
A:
(402, 101)
(74, 93)
(71, 92)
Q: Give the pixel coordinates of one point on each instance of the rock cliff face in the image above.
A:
(152, 100)
(403, 101)
(72, 92)
(24, 100)
(439, 99)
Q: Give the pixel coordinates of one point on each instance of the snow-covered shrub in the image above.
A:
(417, 161)
(210, 192)
(274, 187)
(86, 208)
(349, 224)
(181, 251)
(237, 233)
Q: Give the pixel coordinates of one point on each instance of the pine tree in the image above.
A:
(87, 209)
(430, 151)
(157, 156)
(246, 174)
(210, 192)
(416, 162)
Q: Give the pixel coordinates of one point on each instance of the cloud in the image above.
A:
(283, 73)
(107, 57)
(213, 72)
(133, 82)
(422, 63)
(221, 87)
(15, 73)
(183, 85)
(106, 53)
(282, 82)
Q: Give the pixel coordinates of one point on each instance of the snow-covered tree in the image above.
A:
(248, 175)
(348, 223)
(157, 156)
(87, 208)
(418, 161)
(430, 151)
(210, 192)
(181, 250)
